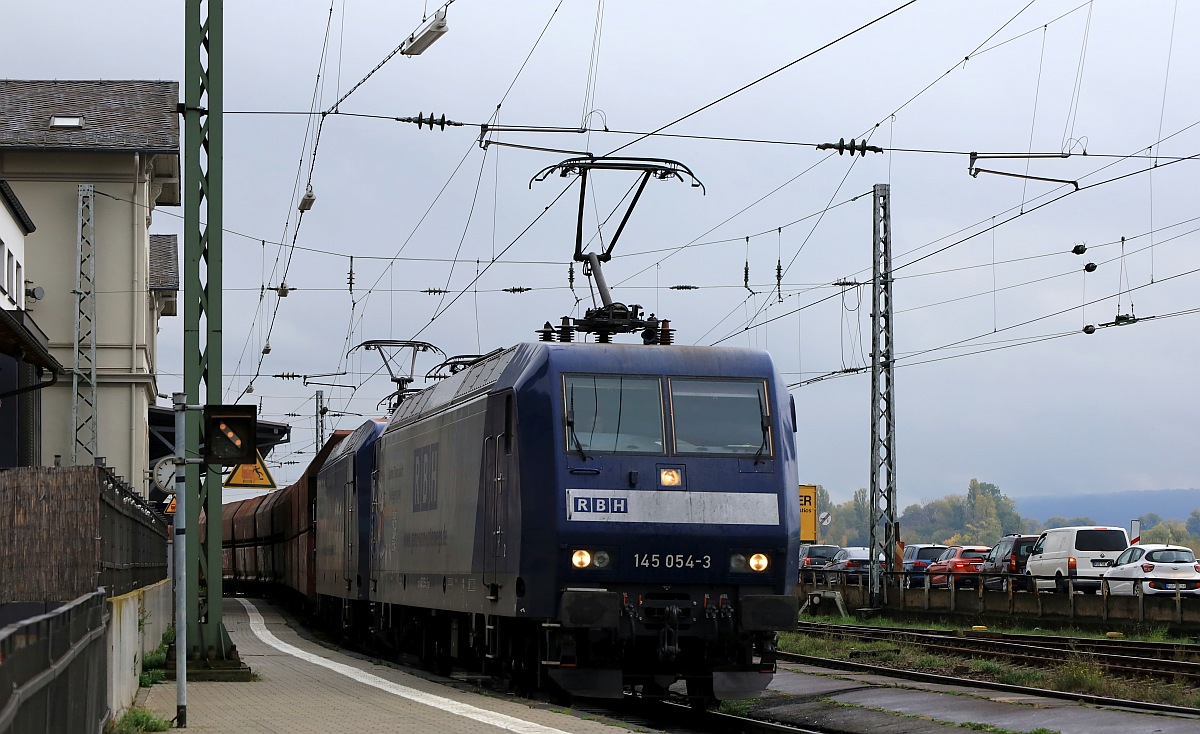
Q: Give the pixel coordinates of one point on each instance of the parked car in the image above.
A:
(814, 556)
(916, 557)
(1005, 564)
(958, 562)
(1075, 554)
(851, 564)
(1155, 569)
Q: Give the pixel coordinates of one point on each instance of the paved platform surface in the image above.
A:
(304, 688)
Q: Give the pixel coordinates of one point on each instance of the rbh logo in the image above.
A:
(602, 504)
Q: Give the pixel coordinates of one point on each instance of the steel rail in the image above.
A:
(1030, 654)
(1137, 648)
(988, 685)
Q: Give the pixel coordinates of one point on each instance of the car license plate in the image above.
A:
(1098, 564)
(1171, 586)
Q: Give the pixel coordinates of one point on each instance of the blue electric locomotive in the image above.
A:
(599, 515)
(343, 498)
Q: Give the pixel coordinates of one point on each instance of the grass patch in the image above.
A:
(987, 667)
(1081, 676)
(737, 708)
(150, 677)
(976, 726)
(1022, 677)
(137, 720)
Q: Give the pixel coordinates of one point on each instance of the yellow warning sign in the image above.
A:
(170, 507)
(808, 513)
(252, 476)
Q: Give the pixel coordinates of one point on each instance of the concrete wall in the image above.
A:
(136, 625)
(126, 313)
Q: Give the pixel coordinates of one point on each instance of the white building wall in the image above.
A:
(126, 313)
(12, 250)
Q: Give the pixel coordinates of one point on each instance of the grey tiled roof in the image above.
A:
(117, 115)
(164, 262)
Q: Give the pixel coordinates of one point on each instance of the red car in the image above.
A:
(960, 562)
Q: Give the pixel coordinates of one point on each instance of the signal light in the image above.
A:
(230, 434)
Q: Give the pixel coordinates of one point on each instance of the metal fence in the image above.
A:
(52, 670)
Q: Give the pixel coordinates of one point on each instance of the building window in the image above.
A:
(3, 261)
(66, 121)
(19, 284)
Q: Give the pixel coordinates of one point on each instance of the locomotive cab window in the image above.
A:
(730, 417)
(612, 414)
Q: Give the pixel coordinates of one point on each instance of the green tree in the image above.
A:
(1193, 524)
(1150, 519)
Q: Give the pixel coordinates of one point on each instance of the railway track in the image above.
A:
(1164, 661)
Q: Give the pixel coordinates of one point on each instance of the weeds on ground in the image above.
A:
(137, 720)
(737, 708)
(152, 676)
(987, 667)
(156, 658)
(1081, 676)
(976, 726)
(1022, 677)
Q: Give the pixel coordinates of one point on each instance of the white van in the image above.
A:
(1079, 554)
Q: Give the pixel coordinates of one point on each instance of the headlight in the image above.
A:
(581, 559)
(601, 559)
(757, 562)
(670, 477)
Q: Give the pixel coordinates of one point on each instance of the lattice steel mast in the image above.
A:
(83, 366)
(203, 141)
(884, 531)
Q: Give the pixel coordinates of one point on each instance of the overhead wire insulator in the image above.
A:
(853, 147)
(431, 121)
(517, 289)
(435, 291)
(684, 287)
(350, 277)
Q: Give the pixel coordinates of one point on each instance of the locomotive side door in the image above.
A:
(497, 456)
(351, 528)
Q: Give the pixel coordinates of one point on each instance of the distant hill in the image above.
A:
(1113, 508)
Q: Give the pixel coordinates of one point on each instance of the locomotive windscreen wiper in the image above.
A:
(766, 428)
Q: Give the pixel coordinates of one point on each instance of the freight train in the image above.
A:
(586, 517)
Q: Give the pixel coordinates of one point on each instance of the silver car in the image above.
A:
(1155, 569)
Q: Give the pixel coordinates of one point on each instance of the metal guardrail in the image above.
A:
(52, 667)
(133, 538)
(1177, 607)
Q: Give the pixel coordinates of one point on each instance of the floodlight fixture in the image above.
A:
(424, 38)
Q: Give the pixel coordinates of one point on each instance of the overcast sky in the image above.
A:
(995, 379)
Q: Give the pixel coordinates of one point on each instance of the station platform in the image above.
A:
(302, 687)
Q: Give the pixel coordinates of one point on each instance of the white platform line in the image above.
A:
(502, 721)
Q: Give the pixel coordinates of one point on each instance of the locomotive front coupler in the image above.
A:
(668, 636)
